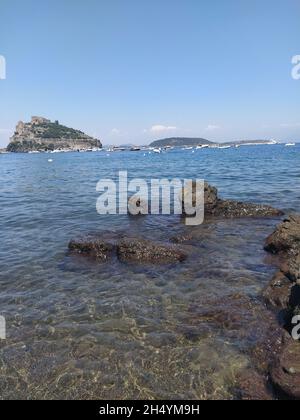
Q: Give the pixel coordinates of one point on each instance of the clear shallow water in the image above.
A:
(81, 330)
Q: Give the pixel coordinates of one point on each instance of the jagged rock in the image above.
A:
(286, 238)
(216, 207)
(145, 251)
(291, 268)
(285, 242)
(231, 208)
(285, 373)
(277, 294)
(92, 246)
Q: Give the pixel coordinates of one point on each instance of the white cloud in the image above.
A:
(295, 125)
(212, 127)
(161, 128)
(115, 131)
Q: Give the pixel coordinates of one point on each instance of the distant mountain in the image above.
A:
(180, 142)
(41, 135)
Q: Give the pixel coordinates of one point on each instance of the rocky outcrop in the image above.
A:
(283, 293)
(278, 292)
(135, 250)
(286, 238)
(285, 243)
(285, 373)
(232, 209)
(218, 208)
(43, 135)
(145, 251)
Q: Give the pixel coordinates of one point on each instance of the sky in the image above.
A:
(133, 71)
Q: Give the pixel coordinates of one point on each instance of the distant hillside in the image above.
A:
(41, 135)
(180, 142)
(250, 142)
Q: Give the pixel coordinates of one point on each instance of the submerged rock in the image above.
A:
(145, 251)
(252, 386)
(92, 246)
(103, 247)
(182, 238)
(231, 208)
(285, 373)
(243, 319)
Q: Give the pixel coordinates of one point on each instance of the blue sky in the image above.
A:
(137, 70)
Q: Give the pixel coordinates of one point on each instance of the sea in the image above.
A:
(77, 328)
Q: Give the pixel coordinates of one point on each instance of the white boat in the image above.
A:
(202, 146)
(156, 150)
(290, 145)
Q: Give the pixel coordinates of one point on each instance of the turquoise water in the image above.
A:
(77, 329)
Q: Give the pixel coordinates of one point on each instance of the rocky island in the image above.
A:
(181, 142)
(41, 135)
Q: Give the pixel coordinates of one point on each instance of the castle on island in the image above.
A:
(41, 134)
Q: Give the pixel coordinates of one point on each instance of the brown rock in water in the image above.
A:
(92, 246)
(145, 251)
(231, 209)
(286, 238)
(216, 207)
(278, 292)
(243, 319)
(285, 242)
(180, 239)
(285, 373)
(103, 246)
(291, 268)
(252, 386)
